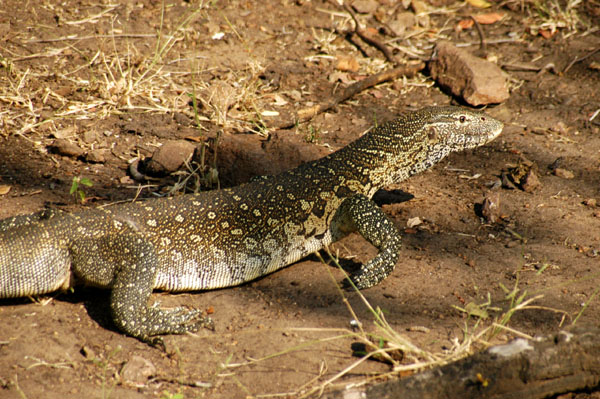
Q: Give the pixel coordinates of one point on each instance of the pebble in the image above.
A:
(70, 131)
(96, 156)
(403, 22)
(347, 63)
(563, 173)
(591, 202)
(89, 136)
(522, 175)
(137, 371)
(530, 182)
(365, 6)
(88, 352)
(491, 207)
(66, 148)
(512, 244)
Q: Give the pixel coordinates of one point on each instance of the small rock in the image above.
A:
(557, 163)
(563, 173)
(88, 353)
(66, 132)
(347, 63)
(137, 371)
(530, 182)
(66, 148)
(506, 182)
(126, 180)
(169, 157)
(422, 9)
(523, 176)
(96, 156)
(403, 22)
(591, 202)
(295, 95)
(365, 6)
(474, 79)
(4, 189)
(413, 222)
(490, 209)
(89, 136)
(64, 91)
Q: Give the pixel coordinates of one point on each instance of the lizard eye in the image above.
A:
(462, 119)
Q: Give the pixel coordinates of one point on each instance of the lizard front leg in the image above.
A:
(358, 213)
(130, 263)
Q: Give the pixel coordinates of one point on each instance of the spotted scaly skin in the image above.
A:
(227, 237)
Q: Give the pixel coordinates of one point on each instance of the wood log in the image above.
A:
(522, 369)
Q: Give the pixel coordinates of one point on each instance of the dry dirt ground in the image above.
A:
(116, 80)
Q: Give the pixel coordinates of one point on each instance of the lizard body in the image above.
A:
(226, 237)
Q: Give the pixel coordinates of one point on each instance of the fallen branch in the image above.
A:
(525, 369)
(308, 113)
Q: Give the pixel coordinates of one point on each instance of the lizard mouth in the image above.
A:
(496, 132)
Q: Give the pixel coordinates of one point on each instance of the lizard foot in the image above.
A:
(372, 273)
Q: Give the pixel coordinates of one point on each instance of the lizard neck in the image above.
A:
(390, 153)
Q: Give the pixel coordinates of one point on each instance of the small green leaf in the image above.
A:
(475, 310)
(74, 186)
(86, 182)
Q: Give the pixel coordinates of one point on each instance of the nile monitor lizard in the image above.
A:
(227, 237)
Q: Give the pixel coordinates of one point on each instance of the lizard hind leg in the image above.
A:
(130, 264)
(131, 290)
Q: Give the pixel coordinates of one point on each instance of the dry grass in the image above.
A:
(551, 16)
(152, 76)
(149, 77)
(484, 324)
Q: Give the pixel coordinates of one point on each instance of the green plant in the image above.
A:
(313, 135)
(76, 190)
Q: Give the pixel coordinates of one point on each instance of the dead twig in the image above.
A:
(95, 37)
(482, 45)
(364, 35)
(308, 113)
(576, 60)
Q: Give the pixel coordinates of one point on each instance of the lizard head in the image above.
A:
(456, 128)
(417, 140)
(428, 135)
